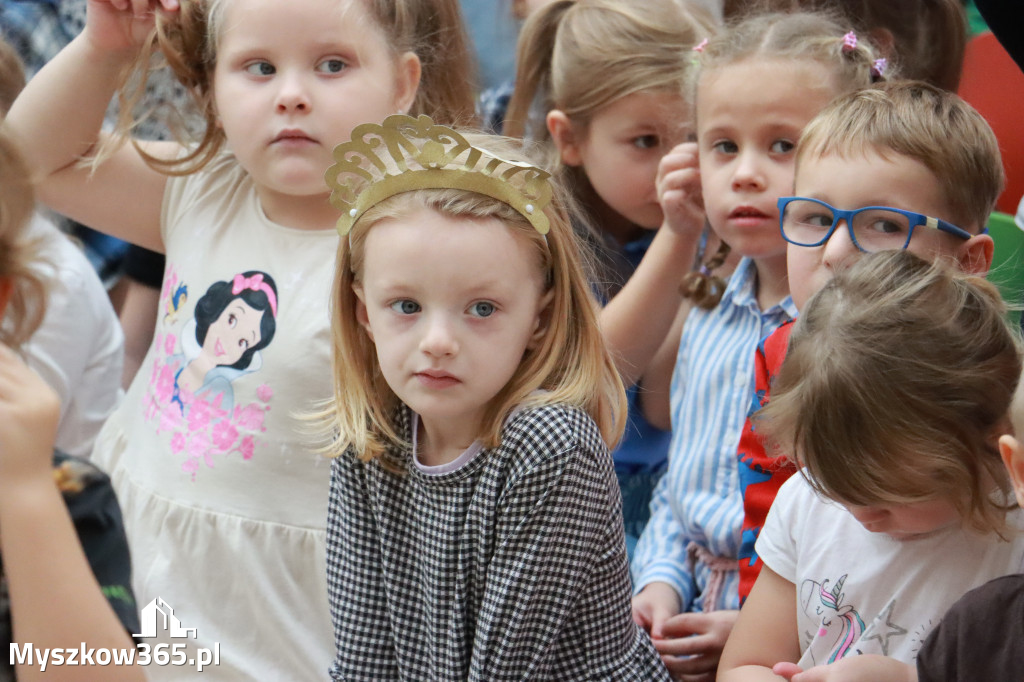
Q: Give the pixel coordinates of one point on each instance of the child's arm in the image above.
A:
(636, 321)
(765, 632)
(56, 601)
(556, 600)
(870, 667)
(656, 383)
(58, 117)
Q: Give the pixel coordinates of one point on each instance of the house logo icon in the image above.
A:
(158, 615)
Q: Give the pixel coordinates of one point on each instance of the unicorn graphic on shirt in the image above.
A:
(839, 624)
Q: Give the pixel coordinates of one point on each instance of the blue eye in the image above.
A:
(405, 306)
(260, 68)
(725, 147)
(482, 309)
(782, 146)
(331, 65)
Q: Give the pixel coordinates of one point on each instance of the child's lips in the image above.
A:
(437, 378)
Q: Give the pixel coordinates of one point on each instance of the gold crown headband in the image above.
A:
(405, 154)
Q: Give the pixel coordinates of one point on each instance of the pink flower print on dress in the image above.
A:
(246, 447)
(169, 344)
(264, 393)
(177, 443)
(250, 417)
(224, 435)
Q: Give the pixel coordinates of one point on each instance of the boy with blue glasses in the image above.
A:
(900, 166)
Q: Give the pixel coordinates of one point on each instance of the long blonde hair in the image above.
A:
(27, 303)
(570, 364)
(187, 39)
(896, 384)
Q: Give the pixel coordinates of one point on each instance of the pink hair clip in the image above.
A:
(850, 42)
(700, 46)
(878, 67)
(255, 283)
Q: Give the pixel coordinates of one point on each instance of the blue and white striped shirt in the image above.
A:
(699, 499)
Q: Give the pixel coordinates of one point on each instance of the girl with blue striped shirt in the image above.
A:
(755, 87)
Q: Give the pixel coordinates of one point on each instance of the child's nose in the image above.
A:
(749, 173)
(292, 95)
(439, 337)
(839, 248)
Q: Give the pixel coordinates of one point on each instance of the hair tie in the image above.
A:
(704, 270)
(878, 67)
(699, 47)
(255, 283)
(850, 42)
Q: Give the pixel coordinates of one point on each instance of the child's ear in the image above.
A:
(975, 255)
(565, 137)
(407, 81)
(1012, 452)
(361, 317)
(543, 321)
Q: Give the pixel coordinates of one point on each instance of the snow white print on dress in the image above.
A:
(192, 388)
(839, 624)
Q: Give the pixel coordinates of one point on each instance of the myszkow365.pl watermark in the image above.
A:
(156, 616)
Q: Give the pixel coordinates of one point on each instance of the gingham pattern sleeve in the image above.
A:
(355, 585)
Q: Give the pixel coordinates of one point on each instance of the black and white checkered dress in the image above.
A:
(511, 567)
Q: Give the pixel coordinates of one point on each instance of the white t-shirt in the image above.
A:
(864, 593)
(79, 348)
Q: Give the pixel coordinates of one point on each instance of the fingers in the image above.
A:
(687, 646)
(787, 670)
(693, 666)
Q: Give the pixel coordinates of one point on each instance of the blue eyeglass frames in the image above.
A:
(810, 222)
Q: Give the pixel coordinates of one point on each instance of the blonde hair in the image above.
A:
(579, 56)
(897, 380)
(924, 123)
(570, 364)
(800, 36)
(430, 29)
(928, 37)
(27, 303)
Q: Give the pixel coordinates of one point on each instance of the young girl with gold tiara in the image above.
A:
(475, 527)
(224, 498)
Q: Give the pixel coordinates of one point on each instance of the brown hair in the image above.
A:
(924, 123)
(928, 37)
(187, 38)
(12, 76)
(896, 383)
(801, 36)
(571, 363)
(27, 303)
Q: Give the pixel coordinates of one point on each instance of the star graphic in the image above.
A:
(892, 630)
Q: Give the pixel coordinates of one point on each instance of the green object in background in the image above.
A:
(1007, 271)
(975, 23)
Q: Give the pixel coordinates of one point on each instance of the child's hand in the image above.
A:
(122, 25)
(655, 604)
(867, 668)
(691, 644)
(679, 190)
(29, 414)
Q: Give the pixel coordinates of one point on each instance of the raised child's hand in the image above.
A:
(122, 25)
(867, 668)
(691, 643)
(29, 414)
(679, 189)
